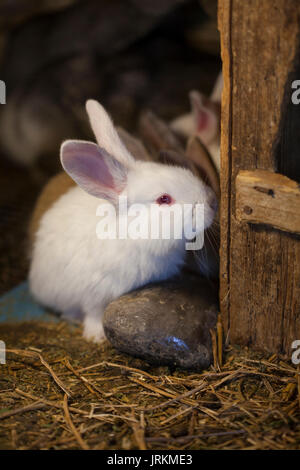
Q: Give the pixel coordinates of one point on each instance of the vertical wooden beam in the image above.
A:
(224, 24)
(260, 266)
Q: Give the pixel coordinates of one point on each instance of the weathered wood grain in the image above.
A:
(260, 266)
(264, 197)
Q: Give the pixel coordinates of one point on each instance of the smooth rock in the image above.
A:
(166, 324)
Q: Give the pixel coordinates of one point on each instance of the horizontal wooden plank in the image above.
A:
(264, 197)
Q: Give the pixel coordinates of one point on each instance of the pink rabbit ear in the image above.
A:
(206, 116)
(93, 169)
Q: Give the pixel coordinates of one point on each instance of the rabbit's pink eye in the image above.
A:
(164, 199)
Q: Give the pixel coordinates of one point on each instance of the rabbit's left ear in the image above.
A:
(93, 169)
(106, 134)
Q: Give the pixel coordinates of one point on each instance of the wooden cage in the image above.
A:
(260, 173)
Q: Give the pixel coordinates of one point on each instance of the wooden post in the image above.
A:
(260, 262)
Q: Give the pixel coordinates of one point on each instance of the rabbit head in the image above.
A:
(107, 171)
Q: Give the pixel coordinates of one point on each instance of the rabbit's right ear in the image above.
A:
(93, 169)
(206, 116)
(105, 132)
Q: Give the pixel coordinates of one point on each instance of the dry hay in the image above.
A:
(59, 392)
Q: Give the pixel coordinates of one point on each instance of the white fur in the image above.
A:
(74, 272)
(106, 135)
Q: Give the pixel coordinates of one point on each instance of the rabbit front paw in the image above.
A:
(93, 330)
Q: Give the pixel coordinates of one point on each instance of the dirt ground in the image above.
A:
(59, 392)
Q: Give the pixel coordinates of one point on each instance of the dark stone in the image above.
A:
(166, 324)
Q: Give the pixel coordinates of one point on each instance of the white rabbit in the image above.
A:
(203, 120)
(75, 272)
